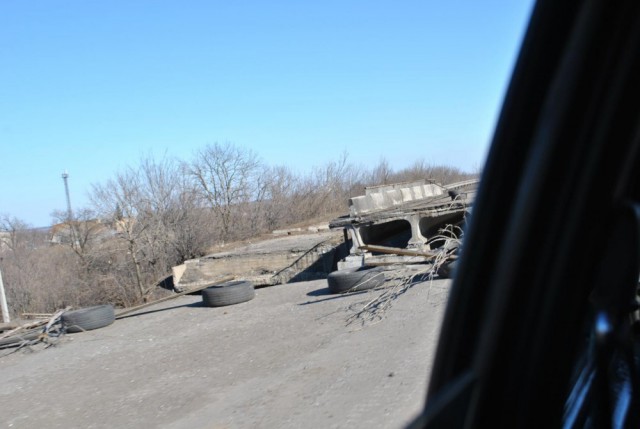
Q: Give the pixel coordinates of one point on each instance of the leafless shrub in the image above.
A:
(442, 174)
(226, 177)
(275, 208)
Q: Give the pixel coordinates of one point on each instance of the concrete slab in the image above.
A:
(265, 262)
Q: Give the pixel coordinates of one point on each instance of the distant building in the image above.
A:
(62, 233)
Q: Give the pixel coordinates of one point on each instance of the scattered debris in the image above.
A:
(46, 332)
(439, 250)
(373, 311)
(49, 331)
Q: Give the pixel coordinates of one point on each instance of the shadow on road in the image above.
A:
(193, 304)
(325, 291)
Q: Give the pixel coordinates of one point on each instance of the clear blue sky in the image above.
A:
(91, 86)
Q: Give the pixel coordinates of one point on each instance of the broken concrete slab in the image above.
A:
(405, 215)
(269, 262)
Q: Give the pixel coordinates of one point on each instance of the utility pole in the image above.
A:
(3, 302)
(65, 176)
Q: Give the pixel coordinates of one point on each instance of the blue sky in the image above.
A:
(91, 86)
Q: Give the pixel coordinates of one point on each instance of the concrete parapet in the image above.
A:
(390, 196)
(383, 188)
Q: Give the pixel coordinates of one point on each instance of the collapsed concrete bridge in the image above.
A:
(403, 215)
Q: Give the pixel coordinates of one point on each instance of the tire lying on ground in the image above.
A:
(355, 279)
(86, 319)
(447, 270)
(228, 293)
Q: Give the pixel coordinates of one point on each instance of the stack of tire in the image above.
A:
(355, 279)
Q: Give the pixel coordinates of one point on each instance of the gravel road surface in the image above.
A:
(286, 359)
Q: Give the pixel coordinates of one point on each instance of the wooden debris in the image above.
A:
(397, 251)
(54, 318)
(15, 331)
(389, 263)
(37, 315)
(32, 333)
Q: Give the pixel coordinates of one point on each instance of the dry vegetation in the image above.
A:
(160, 213)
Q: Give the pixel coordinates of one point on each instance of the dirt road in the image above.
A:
(283, 360)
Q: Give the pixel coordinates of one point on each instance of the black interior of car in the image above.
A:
(541, 324)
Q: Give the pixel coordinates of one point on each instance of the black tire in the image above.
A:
(355, 279)
(86, 319)
(228, 293)
(447, 270)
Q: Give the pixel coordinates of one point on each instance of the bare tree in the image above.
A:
(326, 190)
(15, 232)
(155, 215)
(442, 174)
(226, 176)
(279, 191)
(382, 174)
(179, 228)
(36, 276)
(124, 193)
(81, 232)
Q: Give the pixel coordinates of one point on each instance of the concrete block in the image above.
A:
(351, 261)
(361, 204)
(431, 190)
(407, 194)
(395, 197)
(378, 201)
(177, 273)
